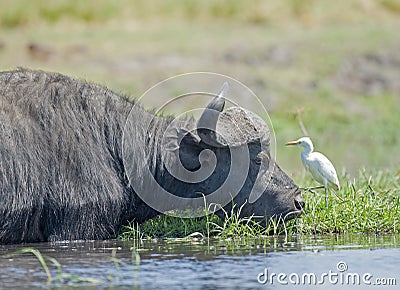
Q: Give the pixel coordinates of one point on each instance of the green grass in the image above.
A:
(368, 204)
(168, 226)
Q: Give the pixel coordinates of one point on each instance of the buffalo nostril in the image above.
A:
(299, 202)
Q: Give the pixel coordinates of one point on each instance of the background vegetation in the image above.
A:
(335, 61)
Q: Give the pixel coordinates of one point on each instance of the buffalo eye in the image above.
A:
(262, 156)
(258, 160)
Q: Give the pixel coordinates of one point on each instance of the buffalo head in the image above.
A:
(225, 157)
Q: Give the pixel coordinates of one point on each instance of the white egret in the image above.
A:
(321, 169)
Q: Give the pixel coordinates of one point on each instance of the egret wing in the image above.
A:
(321, 168)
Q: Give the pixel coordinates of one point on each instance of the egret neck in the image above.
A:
(308, 148)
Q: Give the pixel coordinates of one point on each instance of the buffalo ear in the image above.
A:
(189, 151)
(184, 145)
(177, 136)
(206, 126)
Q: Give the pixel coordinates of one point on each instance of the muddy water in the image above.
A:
(334, 262)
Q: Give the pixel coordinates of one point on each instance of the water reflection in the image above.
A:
(197, 263)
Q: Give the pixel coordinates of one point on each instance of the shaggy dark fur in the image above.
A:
(62, 175)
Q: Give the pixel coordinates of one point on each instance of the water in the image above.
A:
(328, 262)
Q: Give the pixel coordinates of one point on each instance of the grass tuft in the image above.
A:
(371, 204)
(171, 227)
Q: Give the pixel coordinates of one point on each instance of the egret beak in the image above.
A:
(292, 143)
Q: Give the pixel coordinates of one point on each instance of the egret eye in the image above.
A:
(258, 160)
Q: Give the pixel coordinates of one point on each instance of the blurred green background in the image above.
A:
(338, 62)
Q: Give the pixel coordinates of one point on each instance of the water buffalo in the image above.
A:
(64, 174)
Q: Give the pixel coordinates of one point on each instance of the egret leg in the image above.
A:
(326, 197)
(326, 192)
(310, 189)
